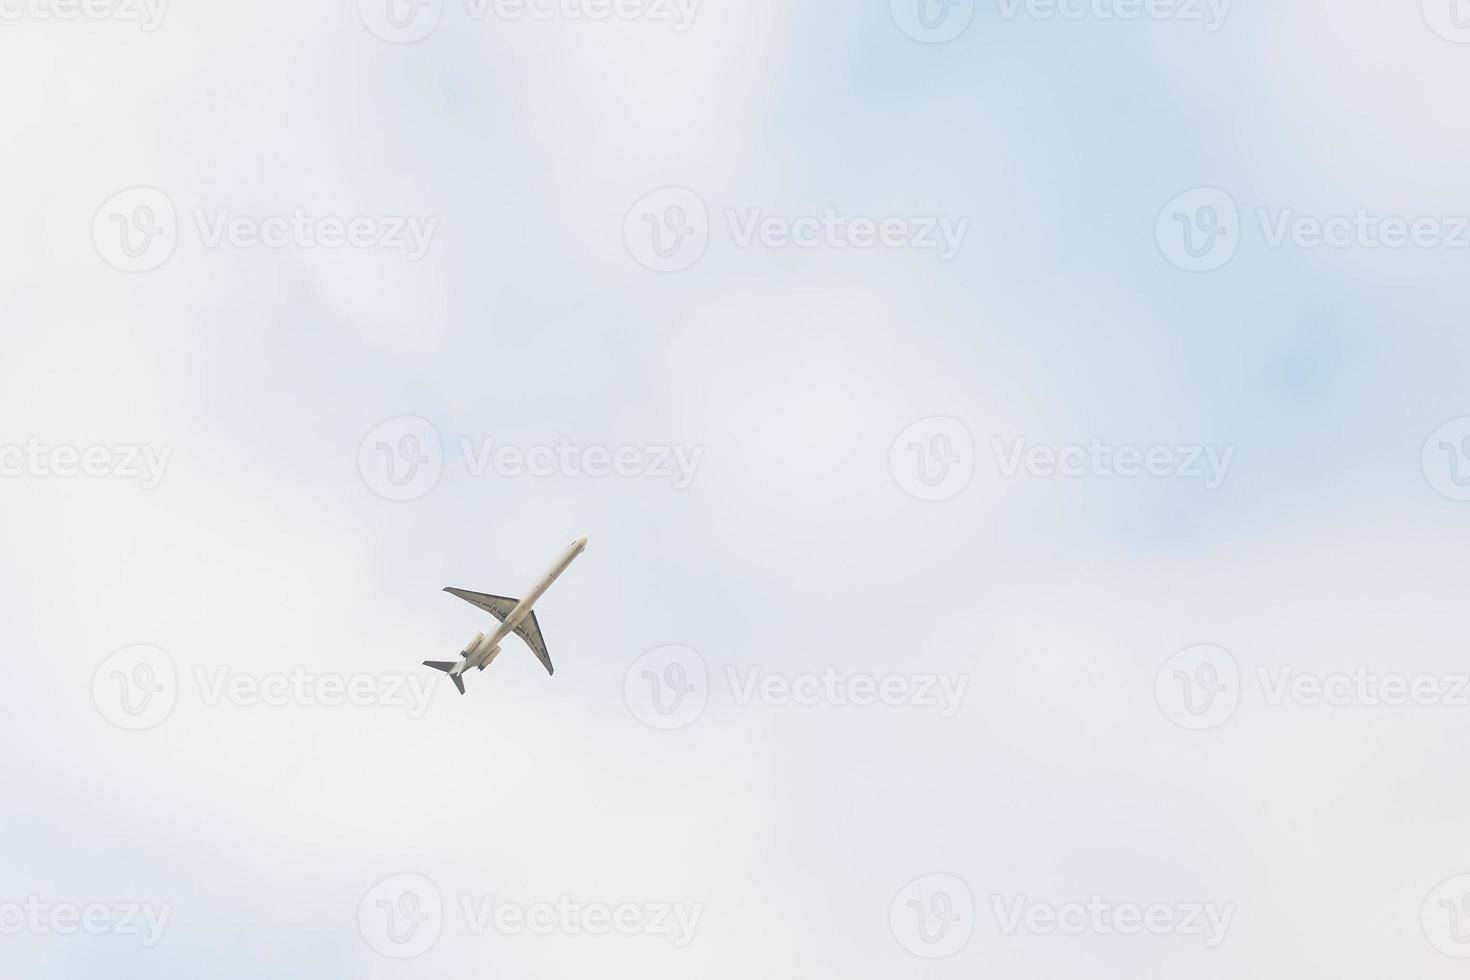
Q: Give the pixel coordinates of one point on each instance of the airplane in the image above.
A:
(515, 616)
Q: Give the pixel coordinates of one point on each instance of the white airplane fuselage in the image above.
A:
(481, 650)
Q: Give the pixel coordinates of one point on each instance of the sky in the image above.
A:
(1023, 446)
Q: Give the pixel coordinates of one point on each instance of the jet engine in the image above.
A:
(478, 655)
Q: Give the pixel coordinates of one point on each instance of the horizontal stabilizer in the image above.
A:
(447, 668)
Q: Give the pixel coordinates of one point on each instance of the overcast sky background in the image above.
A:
(1333, 541)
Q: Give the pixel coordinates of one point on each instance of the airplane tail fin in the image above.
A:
(447, 668)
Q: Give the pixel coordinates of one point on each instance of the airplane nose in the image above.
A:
(580, 542)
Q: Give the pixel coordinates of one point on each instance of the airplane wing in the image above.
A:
(500, 607)
(530, 631)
